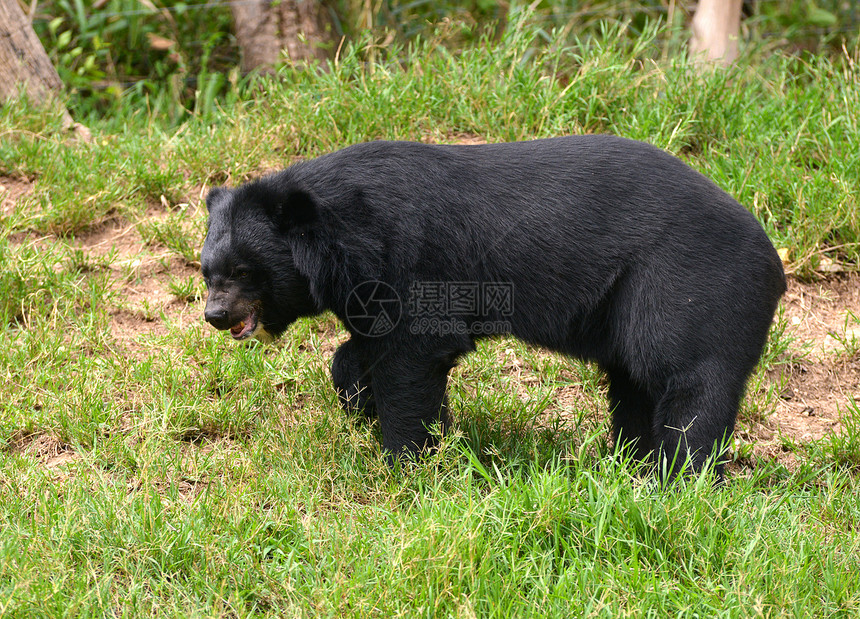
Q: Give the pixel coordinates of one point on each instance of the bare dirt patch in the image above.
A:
(44, 448)
(824, 370)
(467, 139)
(820, 373)
(114, 237)
(144, 307)
(141, 275)
(12, 190)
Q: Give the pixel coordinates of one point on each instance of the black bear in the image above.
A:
(593, 246)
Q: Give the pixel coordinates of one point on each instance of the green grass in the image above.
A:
(167, 471)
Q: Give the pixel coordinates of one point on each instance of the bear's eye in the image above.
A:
(242, 273)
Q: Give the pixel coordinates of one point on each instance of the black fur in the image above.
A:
(615, 251)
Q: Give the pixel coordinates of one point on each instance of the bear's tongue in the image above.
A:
(244, 328)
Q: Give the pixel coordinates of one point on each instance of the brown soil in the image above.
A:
(11, 190)
(822, 373)
(141, 275)
(45, 448)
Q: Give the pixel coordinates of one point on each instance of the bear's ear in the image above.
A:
(288, 206)
(291, 208)
(215, 196)
(300, 208)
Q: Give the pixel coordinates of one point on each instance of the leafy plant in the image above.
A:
(108, 49)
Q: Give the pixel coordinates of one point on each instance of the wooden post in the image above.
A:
(265, 27)
(716, 29)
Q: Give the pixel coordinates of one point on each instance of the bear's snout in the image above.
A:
(218, 317)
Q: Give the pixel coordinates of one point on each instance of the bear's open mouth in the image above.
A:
(245, 328)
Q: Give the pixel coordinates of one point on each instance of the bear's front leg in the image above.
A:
(410, 401)
(351, 379)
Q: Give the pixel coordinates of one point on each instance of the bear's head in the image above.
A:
(248, 259)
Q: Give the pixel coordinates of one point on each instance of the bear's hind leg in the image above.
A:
(352, 381)
(695, 416)
(632, 415)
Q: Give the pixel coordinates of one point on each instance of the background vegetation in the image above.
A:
(176, 57)
(150, 467)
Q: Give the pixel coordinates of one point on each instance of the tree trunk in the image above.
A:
(265, 27)
(23, 60)
(716, 29)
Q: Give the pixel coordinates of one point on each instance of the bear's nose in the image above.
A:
(218, 318)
